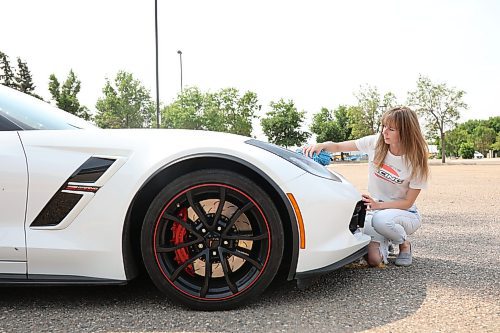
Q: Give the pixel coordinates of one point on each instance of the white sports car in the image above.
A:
(211, 216)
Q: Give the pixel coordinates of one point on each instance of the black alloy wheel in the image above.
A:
(212, 239)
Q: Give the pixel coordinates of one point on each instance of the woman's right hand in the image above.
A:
(311, 149)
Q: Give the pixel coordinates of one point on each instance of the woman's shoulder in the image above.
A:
(367, 143)
(370, 139)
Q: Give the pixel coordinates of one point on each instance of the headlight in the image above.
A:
(305, 163)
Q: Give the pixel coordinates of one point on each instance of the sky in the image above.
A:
(317, 53)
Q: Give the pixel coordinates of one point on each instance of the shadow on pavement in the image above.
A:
(346, 300)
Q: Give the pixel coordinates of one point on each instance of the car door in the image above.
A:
(13, 196)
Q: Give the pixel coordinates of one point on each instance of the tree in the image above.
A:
(332, 125)
(371, 106)
(483, 138)
(19, 79)
(439, 105)
(126, 104)
(222, 111)
(185, 112)
(454, 139)
(482, 134)
(65, 96)
(496, 145)
(470, 125)
(226, 111)
(342, 117)
(466, 150)
(150, 115)
(6, 73)
(494, 123)
(24, 80)
(282, 124)
(246, 108)
(359, 128)
(325, 126)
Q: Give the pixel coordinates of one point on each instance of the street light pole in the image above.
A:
(157, 78)
(179, 52)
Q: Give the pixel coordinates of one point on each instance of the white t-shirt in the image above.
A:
(392, 181)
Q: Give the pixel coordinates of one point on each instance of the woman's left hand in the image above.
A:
(370, 203)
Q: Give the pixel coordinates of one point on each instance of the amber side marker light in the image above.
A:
(302, 231)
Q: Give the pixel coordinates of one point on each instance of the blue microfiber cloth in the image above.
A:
(322, 158)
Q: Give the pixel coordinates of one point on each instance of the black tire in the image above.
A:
(186, 227)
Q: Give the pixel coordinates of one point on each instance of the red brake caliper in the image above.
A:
(179, 236)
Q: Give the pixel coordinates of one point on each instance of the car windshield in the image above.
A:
(30, 113)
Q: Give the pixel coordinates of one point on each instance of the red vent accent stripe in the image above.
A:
(80, 188)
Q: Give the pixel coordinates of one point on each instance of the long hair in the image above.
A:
(413, 145)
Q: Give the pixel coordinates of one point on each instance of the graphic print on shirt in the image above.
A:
(388, 174)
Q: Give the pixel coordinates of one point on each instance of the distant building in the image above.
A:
(433, 150)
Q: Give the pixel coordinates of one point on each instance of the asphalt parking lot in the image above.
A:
(453, 285)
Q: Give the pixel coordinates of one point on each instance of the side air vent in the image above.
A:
(56, 210)
(74, 189)
(91, 170)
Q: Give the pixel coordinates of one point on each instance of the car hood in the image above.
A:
(127, 141)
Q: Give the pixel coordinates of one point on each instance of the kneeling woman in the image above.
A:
(398, 171)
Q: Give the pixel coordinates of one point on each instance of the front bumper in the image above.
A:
(330, 268)
(331, 212)
(356, 224)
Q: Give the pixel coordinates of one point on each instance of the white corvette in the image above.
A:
(212, 217)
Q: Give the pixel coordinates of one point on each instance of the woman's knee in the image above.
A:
(374, 257)
(374, 260)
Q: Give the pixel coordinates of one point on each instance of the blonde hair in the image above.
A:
(413, 144)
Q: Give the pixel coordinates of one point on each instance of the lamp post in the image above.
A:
(179, 52)
(157, 78)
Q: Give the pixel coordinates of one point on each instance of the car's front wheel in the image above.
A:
(212, 239)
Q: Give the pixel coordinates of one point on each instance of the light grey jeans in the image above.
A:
(391, 226)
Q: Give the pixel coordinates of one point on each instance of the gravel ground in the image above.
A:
(453, 285)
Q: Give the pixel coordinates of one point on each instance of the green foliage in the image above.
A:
(358, 125)
(494, 123)
(483, 138)
(19, 79)
(6, 73)
(496, 145)
(324, 126)
(466, 150)
(331, 125)
(24, 81)
(454, 139)
(126, 104)
(150, 114)
(371, 106)
(482, 134)
(186, 112)
(342, 117)
(222, 111)
(65, 96)
(228, 112)
(282, 124)
(439, 105)
(247, 108)
(470, 125)
(389, 101)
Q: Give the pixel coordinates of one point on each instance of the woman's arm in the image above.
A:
(406, 203)
(330, 146)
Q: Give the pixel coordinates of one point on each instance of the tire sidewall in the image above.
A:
(243, 184)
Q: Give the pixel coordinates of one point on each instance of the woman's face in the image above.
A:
(390, 133)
